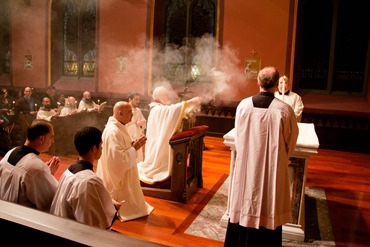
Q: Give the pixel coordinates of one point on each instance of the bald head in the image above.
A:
(71, 101)
(86, 95)
(164, 95)
(27, 91)
(268, 78)
(122, 111)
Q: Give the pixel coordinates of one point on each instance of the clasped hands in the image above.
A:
(138, 143)
(53, 164)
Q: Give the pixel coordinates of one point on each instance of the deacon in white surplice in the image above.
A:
(117, 165)
(163, 121)
(266, 132)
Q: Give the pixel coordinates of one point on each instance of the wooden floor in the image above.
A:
(344, 176)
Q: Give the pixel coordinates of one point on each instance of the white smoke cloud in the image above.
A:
(205, 70)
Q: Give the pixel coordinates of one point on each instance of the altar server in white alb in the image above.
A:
(266, 132)
(293, 99)
(164, 120)
(81, 194)
(24, 178)
(117, 165)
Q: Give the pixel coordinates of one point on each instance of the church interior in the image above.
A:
(208, 48)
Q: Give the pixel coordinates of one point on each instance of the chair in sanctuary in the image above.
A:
(186, 175)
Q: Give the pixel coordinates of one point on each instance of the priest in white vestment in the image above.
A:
(117, 165)
(163, 122)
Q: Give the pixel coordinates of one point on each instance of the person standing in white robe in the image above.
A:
(266, 132)
(24, 178)
(81, 194)
(117, 165)
(163, 122)
(292, 98)
(136, 127)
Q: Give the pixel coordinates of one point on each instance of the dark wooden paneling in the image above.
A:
(336, 130)
(339, 131)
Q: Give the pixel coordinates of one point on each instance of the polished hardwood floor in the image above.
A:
(344, 176)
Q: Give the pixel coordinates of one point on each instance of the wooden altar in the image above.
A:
(307, 145)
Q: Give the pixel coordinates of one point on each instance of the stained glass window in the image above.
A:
(79, 29)
(179, 25)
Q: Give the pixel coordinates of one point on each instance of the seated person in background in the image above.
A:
(51, 93)
(26, 104)
(87, 104)
(163, 121)
(5, 143)
(4, 122)
(45, 111)
(136, 127)
(61, 100)
(293, 99)
(24, 178)
(6, 102)
(70, 108)
(81, 194)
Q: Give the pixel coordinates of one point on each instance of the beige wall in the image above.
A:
(28, 37)
(122, 33)
(260, 26)
(124, 30)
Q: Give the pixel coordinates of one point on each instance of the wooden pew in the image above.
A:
(65, 128)
(26, 226)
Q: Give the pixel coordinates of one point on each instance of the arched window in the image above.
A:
(178, 26)
(4, 38)
(73, 39)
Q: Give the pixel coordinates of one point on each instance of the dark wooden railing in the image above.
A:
(339, 130)
(345, 131)
(22, 225)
